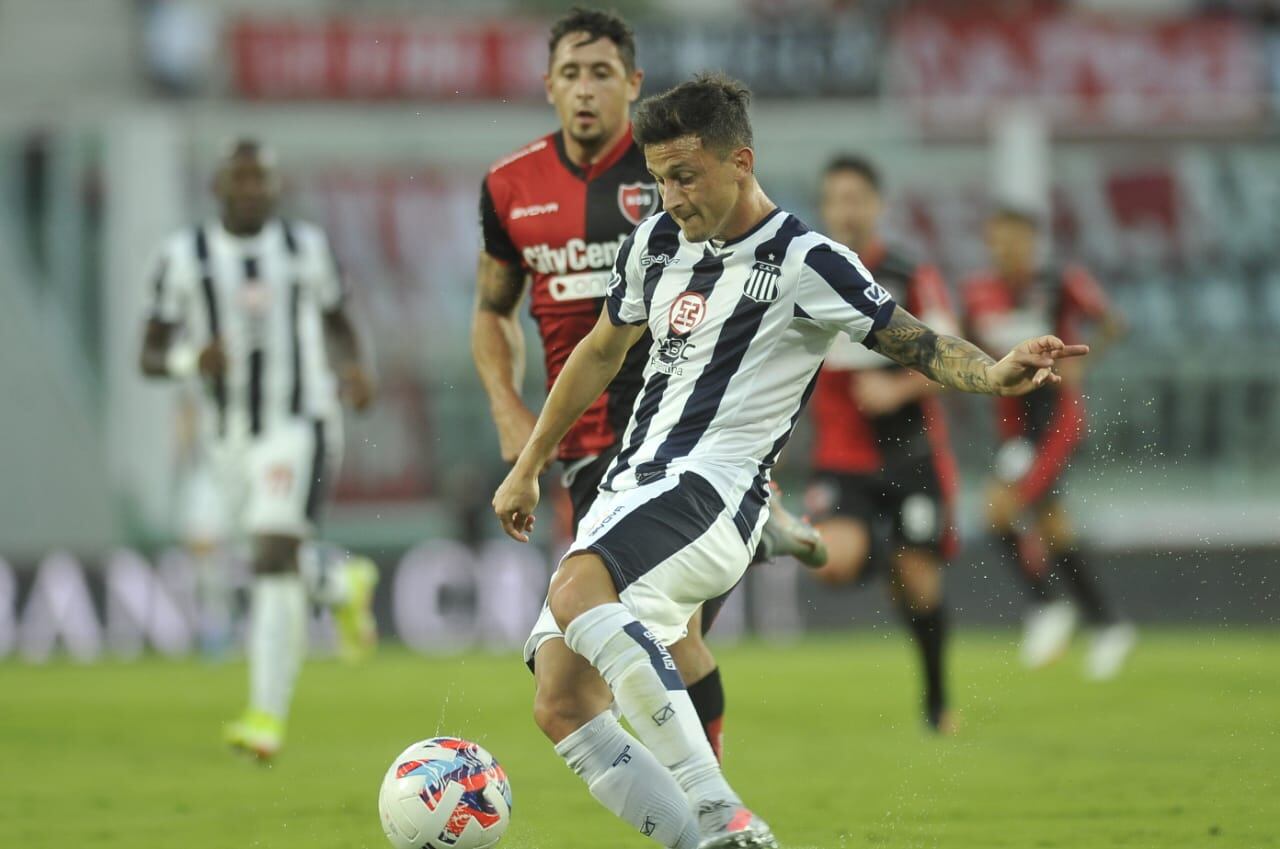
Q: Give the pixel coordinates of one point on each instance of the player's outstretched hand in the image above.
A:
(1031, 365)
(355, 387)
(514, 503)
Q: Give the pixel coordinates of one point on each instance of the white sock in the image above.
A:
(277, 641)
(627, 779)
(324, 572)
(647, 686)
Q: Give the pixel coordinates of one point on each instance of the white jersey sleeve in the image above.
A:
(624, 297)
(319, 271)
(174, 280)
(836, 291)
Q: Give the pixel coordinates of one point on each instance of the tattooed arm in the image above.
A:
(961, 365)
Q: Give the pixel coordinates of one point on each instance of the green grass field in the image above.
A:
(1182, 751)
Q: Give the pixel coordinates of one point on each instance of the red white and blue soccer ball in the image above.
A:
(445, 793)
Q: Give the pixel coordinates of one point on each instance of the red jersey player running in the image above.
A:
(1040, 434)
(884, 478)
(553, 216)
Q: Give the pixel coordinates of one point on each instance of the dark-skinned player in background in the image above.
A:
(251, 307)
(553, 215)
(1040, 435)
(884, 478)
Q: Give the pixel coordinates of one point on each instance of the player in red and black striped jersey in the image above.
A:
(1040, 435)
(884, 477)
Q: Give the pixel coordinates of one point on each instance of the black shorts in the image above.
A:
(908, 509)
(585, 484)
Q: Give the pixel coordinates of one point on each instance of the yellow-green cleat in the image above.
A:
(256, 733)
(357, 629)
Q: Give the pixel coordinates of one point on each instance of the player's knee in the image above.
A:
(275, 554)
(559, 712)
(580, 584)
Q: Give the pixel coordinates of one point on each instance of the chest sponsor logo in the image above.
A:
(762, 283)
(534, 209)
(658, 259)
(578, 287)
(637, 201)
(671, 354)
(687, 312)
(574, 255)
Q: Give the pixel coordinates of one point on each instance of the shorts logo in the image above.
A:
(637, 201)
(687, 312)
(762, 285)
(664, 715)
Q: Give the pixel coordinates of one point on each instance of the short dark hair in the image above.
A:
(711, 106)
(853, 163)
(597, 24)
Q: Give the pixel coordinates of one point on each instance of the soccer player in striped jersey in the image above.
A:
(884, 476)
(742, 302)
(251, 307)
(553, 215)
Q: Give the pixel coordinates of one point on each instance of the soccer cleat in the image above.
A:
(1109, 650)
(1046, 633)
(257, 733)
(728, 825)
(785, 534)
(357, 629)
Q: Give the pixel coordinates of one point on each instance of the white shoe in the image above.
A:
(729, 825)
(1046, 633)
(1110, 648)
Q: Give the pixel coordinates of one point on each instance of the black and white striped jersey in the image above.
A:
(263, 296)
(739, 331)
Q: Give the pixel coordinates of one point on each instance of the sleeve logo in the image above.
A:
(877, 294)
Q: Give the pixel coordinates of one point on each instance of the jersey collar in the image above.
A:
(601, 165)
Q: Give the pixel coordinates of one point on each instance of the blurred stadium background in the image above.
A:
(1146, 127)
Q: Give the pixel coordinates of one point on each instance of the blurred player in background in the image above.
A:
(884, 477)
(251, 306)
(553, 215)
(1040, 434)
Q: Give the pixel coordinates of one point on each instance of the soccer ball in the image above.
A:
(444, 793)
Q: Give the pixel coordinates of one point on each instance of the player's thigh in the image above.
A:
(288, 472)
(842, 508)
(581, 583)
(1054, 524)
(569, 690)
(692, 655)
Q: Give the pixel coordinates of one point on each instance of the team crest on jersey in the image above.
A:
(638, 201)
(687, 312)
(762, 285)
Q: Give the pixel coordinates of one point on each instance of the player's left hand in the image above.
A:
(514, 503)
(355, 387)
(1031, 365)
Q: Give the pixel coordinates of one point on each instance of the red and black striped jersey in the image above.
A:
(563, 225)
(848, 441)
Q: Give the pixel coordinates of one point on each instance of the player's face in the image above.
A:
(1012, 245)
(850, 208)
(698, 187)
(590, 88)
(247, 188)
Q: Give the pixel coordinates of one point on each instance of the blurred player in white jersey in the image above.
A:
(251, 307)
(743, 302)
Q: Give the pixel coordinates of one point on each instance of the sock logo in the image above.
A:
(647, 828)
(663, 716)
(625, 757)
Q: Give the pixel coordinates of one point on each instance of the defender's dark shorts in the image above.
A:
(908, 508)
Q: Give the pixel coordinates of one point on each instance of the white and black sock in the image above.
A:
(627, 779)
